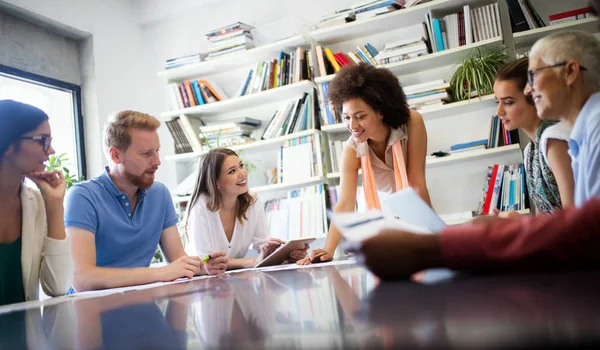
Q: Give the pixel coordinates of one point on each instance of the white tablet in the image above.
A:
(283, 252)
(409, 207)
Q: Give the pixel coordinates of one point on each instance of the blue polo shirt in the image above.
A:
(584, 147)
(124, 239)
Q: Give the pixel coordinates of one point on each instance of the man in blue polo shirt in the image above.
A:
(116, 220)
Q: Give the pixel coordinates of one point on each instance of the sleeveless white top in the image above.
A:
(383, 171)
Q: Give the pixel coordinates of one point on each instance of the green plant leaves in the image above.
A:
(476, 73)
(56, 162)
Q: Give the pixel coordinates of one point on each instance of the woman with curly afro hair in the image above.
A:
(383, 130)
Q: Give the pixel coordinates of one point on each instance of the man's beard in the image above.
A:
(140, 180)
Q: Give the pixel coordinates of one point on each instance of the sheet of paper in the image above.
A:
(294, 266)
(356, 227)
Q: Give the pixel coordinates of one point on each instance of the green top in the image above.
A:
(11, 276)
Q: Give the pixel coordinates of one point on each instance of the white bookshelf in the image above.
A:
(452, 115)
(472, 155)
(528, 37)
(458, 157)
(249, 146)
(383, 23)
(284, 187)
(432, 60)
(276, 95)
(235, 60)
(449, 109)
(465, 220)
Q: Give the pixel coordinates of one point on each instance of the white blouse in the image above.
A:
(207, 235)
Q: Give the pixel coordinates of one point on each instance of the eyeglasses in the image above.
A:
(43, 140)
(532, 72)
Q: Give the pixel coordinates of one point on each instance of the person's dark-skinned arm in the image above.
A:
(566, 240)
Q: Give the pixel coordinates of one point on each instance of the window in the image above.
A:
(60, 100)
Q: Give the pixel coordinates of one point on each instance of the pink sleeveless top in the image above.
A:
(383, 172)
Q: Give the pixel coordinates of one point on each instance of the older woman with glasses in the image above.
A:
(33, 243)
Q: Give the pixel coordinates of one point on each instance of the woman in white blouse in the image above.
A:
(224, 215)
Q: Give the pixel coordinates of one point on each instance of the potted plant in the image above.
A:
(59, 162)
(475, 74)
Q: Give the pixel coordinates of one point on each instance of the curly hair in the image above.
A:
(378, 87)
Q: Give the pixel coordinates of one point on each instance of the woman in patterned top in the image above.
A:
(546, 159)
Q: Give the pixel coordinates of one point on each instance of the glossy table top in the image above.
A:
(341, 306)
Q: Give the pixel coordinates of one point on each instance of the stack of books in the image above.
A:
(299, 159)
(301, 214)
(295, 116)
(191, 93)
(569, 16)
(427, 96)
(465, 27)
(337, 18)
(371, 8)
(228, 39)
(403, 50)
(329, 116)
(228, 134)
(504, 189)
(499, 136)
(523, 16)
(469, 146)
(330, 62)
(182, 61)
(288, 69)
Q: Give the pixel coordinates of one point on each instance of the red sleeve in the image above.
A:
(564, 240)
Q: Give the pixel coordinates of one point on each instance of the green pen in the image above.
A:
(206, 258)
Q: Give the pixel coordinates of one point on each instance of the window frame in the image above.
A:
(75, 91)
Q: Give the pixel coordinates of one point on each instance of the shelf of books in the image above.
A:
(432, 60)
(409, 16)
(235, 60)
(255, 146)
(442, 111)
(239, 103)
(458, 157)
(528, 37)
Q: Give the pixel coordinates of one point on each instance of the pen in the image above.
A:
(206, 258)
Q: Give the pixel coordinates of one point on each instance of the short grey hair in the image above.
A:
(572, 45)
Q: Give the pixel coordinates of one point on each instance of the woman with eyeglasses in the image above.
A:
(33, 244)
(546, 159)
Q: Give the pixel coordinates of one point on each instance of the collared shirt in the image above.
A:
(206, 233)
(383, 172)
(584, 147)
(124, 238)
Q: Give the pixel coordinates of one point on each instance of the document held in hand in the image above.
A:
(356, 227)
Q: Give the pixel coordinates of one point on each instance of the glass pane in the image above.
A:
(58, 104)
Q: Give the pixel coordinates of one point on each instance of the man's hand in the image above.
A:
(394, 254)
(298, 254)
(185, 266)
(217, 264)
(51, 184)
(317, 255)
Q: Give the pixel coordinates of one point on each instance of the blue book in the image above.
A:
(248, 78)
(373, 51)
(437, 32)
(197, 93)
(468, 145)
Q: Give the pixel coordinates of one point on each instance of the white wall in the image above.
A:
(113, 68)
